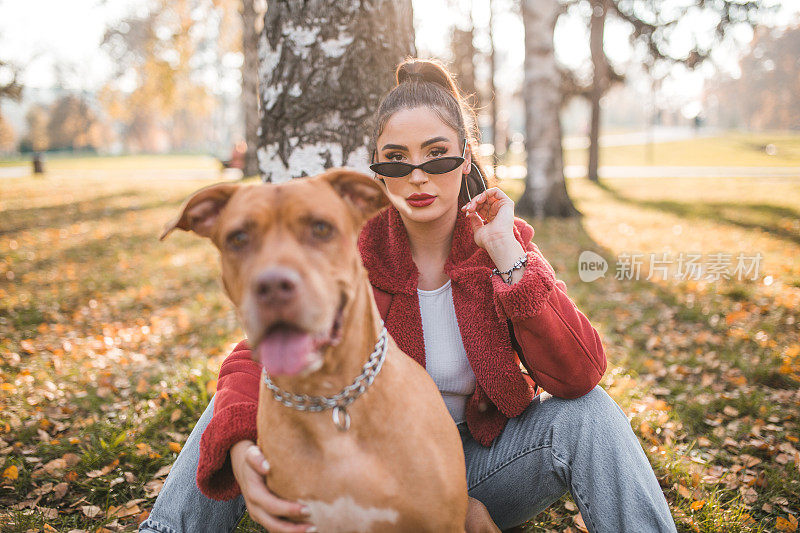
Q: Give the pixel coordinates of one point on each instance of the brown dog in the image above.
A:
(391, 460)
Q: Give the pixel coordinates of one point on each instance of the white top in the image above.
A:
(445, 357)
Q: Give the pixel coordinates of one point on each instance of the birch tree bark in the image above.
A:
(252, 12)
(323, 67)
(545, 191)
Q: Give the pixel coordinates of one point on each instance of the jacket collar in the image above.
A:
(386, 253)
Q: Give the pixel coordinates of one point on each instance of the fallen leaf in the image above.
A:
(730, 410)
(164, 470)
(103, 471)
(578, 520)
(786, 524)
(152, 488)
(749, 494)
(91, 510)
(60, 490)
(11, 473)
(175, 447)
(48, 513)
(124, 511)
(56, 466)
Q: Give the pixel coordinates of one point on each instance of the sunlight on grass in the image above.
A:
(729, 149)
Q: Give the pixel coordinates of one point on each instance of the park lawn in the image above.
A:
(110, 342)
(58, 162)
(729, 149)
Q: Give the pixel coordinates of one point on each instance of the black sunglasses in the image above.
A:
(440, 165)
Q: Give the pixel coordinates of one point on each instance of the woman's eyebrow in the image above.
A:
(433, 140)
(423, 145)
(394, 147)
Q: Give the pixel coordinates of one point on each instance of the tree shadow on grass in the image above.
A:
(764, 217)
(62, 215)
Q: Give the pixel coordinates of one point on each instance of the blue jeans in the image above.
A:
(584, 446)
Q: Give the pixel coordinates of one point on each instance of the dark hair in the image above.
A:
(427, 83)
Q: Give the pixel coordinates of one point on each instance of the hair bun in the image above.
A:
(410, 72)
(429, 70)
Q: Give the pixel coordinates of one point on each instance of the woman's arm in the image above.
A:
(561, 348)
(235, 407)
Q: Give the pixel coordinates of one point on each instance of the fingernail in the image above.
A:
(305, 510)
(265, 464)
(312, 529)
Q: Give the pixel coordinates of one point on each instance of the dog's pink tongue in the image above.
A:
(285, 352)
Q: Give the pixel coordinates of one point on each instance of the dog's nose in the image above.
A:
(276, 285)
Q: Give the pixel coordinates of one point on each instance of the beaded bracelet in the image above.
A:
(516, 266)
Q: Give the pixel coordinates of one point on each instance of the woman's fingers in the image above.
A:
(276, 525)
(488, 202)
(256, 460)
(262, 497)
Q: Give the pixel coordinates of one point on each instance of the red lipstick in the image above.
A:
(420, 199)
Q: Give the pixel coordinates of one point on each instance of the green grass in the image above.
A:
(110, 341)
(728, 149)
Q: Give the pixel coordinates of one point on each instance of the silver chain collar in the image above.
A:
(339, 401)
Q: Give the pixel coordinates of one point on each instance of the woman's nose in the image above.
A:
(418, 176)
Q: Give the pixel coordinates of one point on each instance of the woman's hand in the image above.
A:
(491, 215)
(249, 469)
(478, 518)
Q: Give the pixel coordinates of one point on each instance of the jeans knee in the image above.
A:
(595, 411)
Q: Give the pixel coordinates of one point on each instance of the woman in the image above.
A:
(467, 293)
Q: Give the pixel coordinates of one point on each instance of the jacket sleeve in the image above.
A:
(235, 408)
(560, 347)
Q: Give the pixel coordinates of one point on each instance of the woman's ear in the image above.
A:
(467, 162)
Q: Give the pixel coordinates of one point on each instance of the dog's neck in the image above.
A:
(343, 362)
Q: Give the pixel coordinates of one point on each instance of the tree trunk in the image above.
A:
(251, 13)
(463, 50)
(545, 191)
(600, 82)
(492, 88)
(324, 66)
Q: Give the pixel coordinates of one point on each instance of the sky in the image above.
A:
(68, 39)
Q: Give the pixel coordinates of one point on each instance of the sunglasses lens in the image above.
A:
(441, 165)
(392, 170)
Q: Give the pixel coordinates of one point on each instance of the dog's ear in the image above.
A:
(200, 212)
(364, 195)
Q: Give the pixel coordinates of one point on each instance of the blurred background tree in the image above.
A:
(766, 94)
(72, 124)
(10, 89)
(662, 31)
(38, 138)
(545, 192)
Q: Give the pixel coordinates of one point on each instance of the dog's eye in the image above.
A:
(237, 239)
(321, 229)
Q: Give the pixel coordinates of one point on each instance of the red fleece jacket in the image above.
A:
(560, 350)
